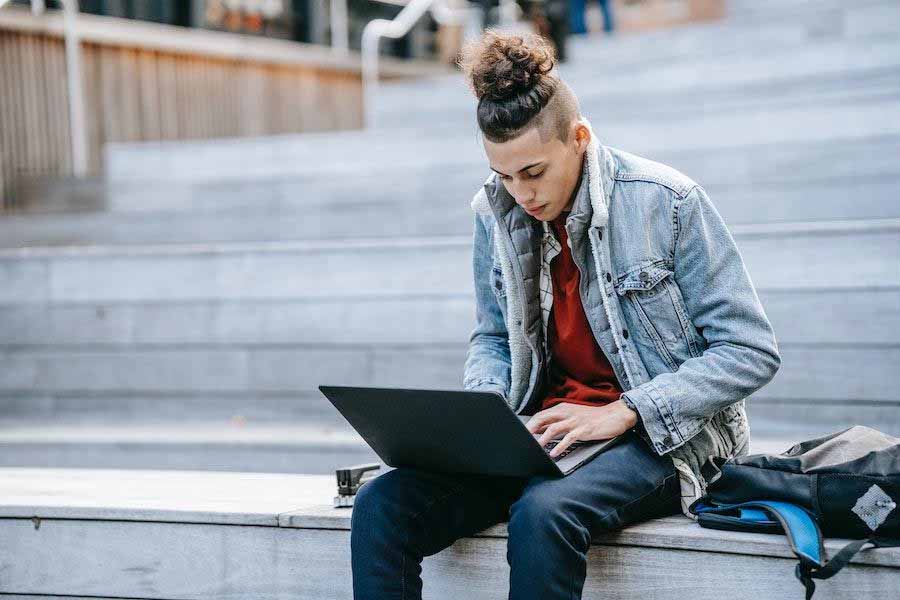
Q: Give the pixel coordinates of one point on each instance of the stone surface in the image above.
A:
(171, 534)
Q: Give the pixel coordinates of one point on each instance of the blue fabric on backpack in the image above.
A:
(755, 516)
(800, 527)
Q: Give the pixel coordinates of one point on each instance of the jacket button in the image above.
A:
(625, 333)
(608, 277)
(644, 276)
(667, 440)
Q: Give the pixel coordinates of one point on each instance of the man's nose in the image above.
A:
(525, 201)
(522, 193)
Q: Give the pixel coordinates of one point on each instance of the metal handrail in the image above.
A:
(340, 28)
(77, 129)
(400, 26)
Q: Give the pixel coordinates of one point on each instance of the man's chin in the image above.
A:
(547, 215)
(542, 214)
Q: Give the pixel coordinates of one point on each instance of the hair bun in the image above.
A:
(499, 66)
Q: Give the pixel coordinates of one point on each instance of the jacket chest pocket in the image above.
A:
(655, 309)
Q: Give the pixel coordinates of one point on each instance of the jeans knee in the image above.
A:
(545, 514)
(383, 506)
(362, 502)
(372, 510)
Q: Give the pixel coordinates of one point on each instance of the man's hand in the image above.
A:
(581, 422)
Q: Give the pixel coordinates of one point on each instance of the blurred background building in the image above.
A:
(237, 238)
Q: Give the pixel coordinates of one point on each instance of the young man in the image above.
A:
(610, 299)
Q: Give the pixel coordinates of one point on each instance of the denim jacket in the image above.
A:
(664, 288)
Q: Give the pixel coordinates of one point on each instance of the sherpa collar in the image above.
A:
(600, 167)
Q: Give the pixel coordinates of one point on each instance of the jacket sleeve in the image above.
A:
(742, 353)
(487, 365)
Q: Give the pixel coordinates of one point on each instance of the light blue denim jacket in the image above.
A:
(667, 294)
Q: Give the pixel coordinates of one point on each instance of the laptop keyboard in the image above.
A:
(576, 444)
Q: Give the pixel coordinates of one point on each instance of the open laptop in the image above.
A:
(453, 431)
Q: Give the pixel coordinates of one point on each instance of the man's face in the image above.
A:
(541, 176)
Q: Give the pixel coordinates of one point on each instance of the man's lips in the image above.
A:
(534, 211)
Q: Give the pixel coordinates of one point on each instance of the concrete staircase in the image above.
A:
(184, 316)
(162, 332)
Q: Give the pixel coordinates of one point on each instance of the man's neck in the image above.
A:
(574, 195)
(559, 222)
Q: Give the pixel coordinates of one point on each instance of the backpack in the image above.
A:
(846, 484)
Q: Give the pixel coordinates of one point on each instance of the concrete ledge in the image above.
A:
(170, 534)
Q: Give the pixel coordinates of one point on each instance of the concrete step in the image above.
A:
(270, 536)
(851, 374)
(249, 341)
(752, 13)
(358, 323)
(793, 180)
(818, 386)
(746, 16)
(314, 444)
(843, 375)
(228, 409)
(781, 256)
(630, 101)
(407, 215)
(832, 71)
(760, 30)
(297, 447)
(726, 171)
(290, 156)
(724, 167)
(757, 70)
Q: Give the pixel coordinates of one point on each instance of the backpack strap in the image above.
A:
(768, 516)
(801, 528)
(806, 573)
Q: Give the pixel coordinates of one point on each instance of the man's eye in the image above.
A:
(537, 175)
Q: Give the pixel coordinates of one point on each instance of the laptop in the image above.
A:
(453, 431)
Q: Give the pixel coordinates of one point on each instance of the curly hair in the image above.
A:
(513, 78)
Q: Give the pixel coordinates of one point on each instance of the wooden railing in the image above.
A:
(146, 81)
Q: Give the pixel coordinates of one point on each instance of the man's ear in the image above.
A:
(582, 136)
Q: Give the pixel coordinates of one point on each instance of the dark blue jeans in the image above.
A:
(576, 16)
(406, 514)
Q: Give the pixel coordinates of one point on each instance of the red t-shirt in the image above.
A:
(579, 371)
